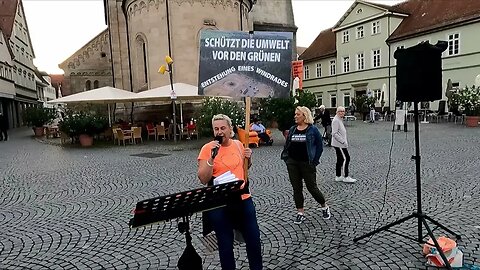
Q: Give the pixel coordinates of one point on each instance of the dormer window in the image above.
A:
(375, 27)
(345, 36)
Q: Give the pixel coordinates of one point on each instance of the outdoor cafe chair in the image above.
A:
(122, 137)
(136, 134)
(151, 131)
(183, 132)
(161, 132)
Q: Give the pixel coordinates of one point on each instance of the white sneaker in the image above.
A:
(339, 178)
(349, 179)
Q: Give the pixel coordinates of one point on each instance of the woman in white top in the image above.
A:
(340, 143)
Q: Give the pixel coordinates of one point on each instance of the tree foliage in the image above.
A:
(362, 103)
(214, 105)
(283, 110)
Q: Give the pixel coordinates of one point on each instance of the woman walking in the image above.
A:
(340, 143)
(301, 154)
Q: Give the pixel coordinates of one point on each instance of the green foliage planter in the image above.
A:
(37, 117)
(281, 111)
(82, 125)
(214, 105)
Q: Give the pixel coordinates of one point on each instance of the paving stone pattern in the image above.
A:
(68, 208)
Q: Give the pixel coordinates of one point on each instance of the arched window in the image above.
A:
(141, 45)
(88, 85)
(95, 84)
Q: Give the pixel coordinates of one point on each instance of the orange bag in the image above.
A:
(445, 243)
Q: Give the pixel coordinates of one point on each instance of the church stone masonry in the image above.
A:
(139, 32)
(90, 67)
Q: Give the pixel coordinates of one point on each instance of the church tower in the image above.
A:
(275, 16)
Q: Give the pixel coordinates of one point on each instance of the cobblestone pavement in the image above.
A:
(68, 208)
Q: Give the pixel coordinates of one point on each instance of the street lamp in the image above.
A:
(173, 95)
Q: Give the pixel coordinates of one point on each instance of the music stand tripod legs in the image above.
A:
(419, 215)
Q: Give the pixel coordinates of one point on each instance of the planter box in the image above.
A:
(472, 121)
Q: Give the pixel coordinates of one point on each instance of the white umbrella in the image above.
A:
(384, 95)
(103, 95)
(183, 92)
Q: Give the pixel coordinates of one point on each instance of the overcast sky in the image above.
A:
(59, 28)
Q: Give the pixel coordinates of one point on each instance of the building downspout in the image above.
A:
(168, 29)
(241, 15)
(389, 67)
(124, 9)
(107, 19)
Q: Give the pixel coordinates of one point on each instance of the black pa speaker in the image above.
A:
(419, 72)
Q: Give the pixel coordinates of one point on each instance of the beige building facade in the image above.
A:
(356, 56)
(17, 72)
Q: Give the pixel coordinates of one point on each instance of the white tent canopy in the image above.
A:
(183, 91)
(103, 95)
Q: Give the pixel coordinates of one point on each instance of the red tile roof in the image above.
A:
(428, 15)
(8, 10)
(423, 16)
(325, 45)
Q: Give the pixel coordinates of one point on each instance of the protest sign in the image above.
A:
(241, 64)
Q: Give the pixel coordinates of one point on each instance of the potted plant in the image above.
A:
(37, 117)
(84, 126)
(468, 100)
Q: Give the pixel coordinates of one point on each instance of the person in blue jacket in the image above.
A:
(302, 151)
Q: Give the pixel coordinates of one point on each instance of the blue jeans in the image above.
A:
(240, 216)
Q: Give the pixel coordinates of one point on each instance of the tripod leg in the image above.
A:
(384, 228)
(443, 227)
(439, 249)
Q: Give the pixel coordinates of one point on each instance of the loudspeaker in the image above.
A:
(419, 72)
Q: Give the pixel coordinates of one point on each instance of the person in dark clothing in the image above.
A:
(301, 153)
(324, 115)
(3, 127)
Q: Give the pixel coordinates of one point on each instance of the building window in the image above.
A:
(375, 27)
(333, 100)
(333, 67)
(360, 32)
(346, 100)
(319, 100)
(95, 84)
(346, 36)
(142, 59)
(319, 70)
(359, 11)
(377, 94)
(306, 72)
(360, 61)
(376, 58)
(453, 44)
(88, 85)
(346, 64)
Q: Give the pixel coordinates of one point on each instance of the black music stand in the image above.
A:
(184, 204)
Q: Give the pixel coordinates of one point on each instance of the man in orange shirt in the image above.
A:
(217, 157)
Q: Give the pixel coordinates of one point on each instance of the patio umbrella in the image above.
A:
(384, 93)
(183, 92)
(103, 95)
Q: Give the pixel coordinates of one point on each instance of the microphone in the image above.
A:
(215, 150)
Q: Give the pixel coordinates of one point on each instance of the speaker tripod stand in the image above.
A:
(419, 215)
